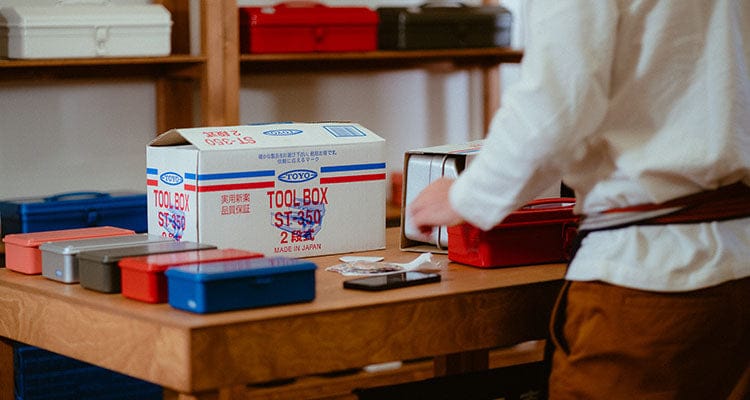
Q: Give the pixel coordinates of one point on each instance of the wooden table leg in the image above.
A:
(7, 370)
(457, 363)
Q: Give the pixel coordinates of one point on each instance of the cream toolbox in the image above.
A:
(74, 30)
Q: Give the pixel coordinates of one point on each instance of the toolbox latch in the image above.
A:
(101, 36)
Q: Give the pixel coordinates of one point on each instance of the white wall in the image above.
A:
(91, 135)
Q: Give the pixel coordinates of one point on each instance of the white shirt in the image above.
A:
(631, 102)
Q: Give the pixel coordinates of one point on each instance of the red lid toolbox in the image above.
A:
(307, 27)
(440, 25)
(538, 233)
(143, 279)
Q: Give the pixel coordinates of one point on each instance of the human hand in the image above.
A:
(431, 207)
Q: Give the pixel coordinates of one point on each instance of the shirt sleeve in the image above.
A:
(545, 118)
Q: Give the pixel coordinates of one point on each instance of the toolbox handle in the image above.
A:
(76, 195)
(443, 4)
(300, 4)
(547, 203)
(85, 2)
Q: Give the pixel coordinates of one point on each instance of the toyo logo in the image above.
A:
(171, 178)
(298, 176)
(282, 132)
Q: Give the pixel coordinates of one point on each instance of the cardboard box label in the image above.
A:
(285, 189)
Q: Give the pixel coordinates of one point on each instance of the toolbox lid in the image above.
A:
(72, 247)
(441, 14)
(240, 268)
(35, 239)
(307, 13)
(107, 256)
(160, 262)
(84, 15)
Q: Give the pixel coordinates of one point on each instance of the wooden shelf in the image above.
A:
(101, 67)
(392, 59)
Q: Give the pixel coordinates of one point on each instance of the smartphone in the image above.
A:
(391, 281)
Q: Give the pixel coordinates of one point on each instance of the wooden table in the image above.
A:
(215, 355)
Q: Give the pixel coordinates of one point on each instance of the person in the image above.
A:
(642, 107)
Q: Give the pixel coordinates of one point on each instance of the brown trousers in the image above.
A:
(618, 343)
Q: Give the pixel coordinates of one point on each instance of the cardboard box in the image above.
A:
(84, 31)
(240, 284)
(292, 189)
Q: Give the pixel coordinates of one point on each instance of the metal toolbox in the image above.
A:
(60, 259)
(70, 210)
(442, 25)
(22, 252)
(143, 279)
(306, 27)
(98, 269)
(84, 31)
(240, 284)
(422, 167)
(540, 232)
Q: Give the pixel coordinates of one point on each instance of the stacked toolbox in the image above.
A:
(441, 26)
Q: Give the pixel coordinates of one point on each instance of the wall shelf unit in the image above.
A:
(217, 70)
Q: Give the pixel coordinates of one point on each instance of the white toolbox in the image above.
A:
(85, 31)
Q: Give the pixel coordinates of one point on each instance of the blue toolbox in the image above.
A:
(240, 284)
(74, 210)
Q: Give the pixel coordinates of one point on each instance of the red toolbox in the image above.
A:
(143, 277)
(538, 233)
(306, 27)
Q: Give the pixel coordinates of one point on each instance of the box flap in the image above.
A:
(274, 135)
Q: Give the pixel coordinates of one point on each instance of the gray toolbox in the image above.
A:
(60, 259)
(442, 25)
(99, 270)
